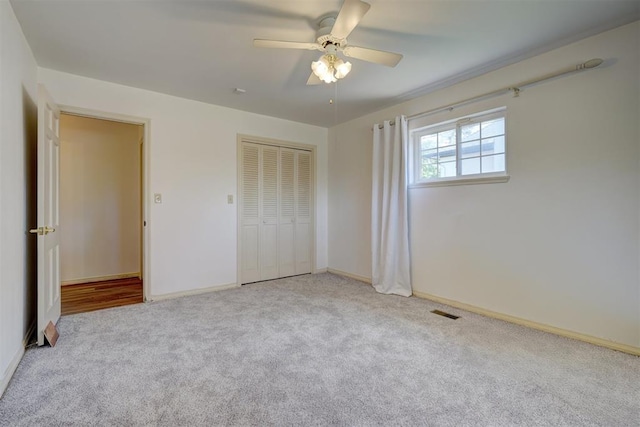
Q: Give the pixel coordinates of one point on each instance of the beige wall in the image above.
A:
(18, 116)
(192, 161)
(99, 198)
(558, 244)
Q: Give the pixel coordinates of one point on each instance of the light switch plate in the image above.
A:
(230, 199)
(157, 198)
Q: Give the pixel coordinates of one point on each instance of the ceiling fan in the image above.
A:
(332, 39)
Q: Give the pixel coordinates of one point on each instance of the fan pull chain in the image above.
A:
(335, 104)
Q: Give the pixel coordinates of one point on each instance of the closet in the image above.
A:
(275, 212)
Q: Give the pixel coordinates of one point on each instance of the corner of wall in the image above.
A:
(18, 74)
(8, 373)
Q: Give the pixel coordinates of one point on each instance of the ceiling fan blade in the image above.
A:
(389, 59)
(313, 80)
(348, 18)
(286, 45)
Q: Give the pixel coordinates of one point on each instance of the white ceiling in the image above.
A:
(202, 50)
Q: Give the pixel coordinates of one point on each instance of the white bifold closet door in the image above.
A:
(303, 236)
(276, 212)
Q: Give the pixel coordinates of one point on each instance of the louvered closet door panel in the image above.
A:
(286, 242)
(269, 213)
(303, 212)
(250, 263)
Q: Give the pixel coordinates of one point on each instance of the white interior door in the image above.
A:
(269, 213)
(48, 212)
(303, 220)
(286, 234)
(276, 208)
(249, 211)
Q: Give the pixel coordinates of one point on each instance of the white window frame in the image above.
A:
(480, 178)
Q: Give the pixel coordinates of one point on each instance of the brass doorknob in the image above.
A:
(42, 230)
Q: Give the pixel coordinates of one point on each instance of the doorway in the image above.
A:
(101, 213)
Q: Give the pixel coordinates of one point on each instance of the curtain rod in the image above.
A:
(592, 63)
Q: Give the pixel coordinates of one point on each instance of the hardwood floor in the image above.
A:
(85, 297)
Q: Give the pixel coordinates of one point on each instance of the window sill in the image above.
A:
(470, 180)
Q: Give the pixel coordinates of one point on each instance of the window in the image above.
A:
(471, 147)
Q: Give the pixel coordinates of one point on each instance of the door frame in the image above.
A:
(145, 269)
(242, 138)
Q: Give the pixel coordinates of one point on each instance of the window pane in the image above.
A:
(470, 166)
(447, 169)
(493, 127)
(470, 149)
(471, 146)
(428, 141)
(430, 154)
(493, 145)
(429, 168)
(470, 132)
(447, 154)
(446, 138)
(493, 163)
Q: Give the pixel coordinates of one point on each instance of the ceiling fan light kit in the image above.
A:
(329, 68)
(342, 68)
(332, 39)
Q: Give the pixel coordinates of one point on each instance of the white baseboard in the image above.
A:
(511, 319)
(8, 373)
(319, 271)
(350, 275)
(100, 278)
(534, 325)
(15, 361)
(192, 292)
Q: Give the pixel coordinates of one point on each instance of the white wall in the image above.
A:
(193, 165)
(18, 117)
(557, 244)
(100, 220)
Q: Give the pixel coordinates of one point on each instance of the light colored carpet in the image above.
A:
(315, 350)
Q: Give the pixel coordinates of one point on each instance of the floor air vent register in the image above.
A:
(445, 314)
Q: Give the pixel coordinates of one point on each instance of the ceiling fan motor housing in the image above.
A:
(324, 37)
(328, 41)
(325, 24)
